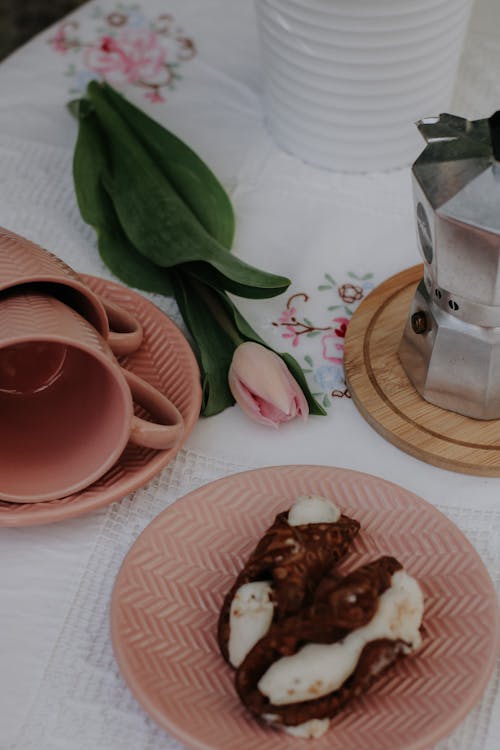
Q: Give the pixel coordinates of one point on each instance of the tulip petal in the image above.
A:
(247, 401)
(264, 387)
(273, 413)
(264, 373)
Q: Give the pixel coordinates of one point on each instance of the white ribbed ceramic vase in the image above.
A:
(345, 80)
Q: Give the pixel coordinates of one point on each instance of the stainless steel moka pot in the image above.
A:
(450, 347)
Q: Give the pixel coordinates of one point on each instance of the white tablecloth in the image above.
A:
(335, 235)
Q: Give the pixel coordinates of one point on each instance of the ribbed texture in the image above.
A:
(171, 585)
(21, 260)
(406, 53)
(31, 315)
(165, 360)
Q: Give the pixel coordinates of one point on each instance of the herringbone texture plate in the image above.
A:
(171, 585)
(165, 360)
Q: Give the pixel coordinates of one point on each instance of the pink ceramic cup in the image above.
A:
(66, 405)
(24, 263)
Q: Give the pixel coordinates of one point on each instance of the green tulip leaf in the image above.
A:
(97, 210)
(155, 218)
(164, 224)
(188, 174)
(213, 347)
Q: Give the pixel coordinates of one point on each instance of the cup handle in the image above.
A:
(125, 335)
(170, 427)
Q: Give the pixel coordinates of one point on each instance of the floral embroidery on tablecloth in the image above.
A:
(324, 359)
(127, 48)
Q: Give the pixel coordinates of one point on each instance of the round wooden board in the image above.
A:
(389, 402)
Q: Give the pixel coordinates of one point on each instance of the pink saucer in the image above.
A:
(171, 585)
(165, 359)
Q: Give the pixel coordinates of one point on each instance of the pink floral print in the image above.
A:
(323, 358)
(330, 348)
(133, 56)
(131, 51)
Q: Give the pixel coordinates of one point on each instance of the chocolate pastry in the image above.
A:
(307, 686)
(293, 559)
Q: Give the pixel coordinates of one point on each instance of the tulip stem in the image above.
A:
(216, 308)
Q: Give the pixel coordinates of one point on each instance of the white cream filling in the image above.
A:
(312, 509)
(318, 669)
(250, 616)
(252, 610)
(308, 730)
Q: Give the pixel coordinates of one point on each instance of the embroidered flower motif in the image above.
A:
(341, 393)
(117, 19)
(294, 326)
(330, 377)
(61, 42)
(350, 293)
(154, 96)
(58, 41)
(164, 24)
(342, 326)
(291, 334)
(330, 344)
(133, 56)
(330, 347)
(187, 48)
(132, 51)
(287, 317)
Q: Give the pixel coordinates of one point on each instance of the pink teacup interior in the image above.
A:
(64, 420)
(30, 367)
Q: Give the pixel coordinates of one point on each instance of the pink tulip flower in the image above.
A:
(264, 387)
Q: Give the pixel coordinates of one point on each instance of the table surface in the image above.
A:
(335, 235)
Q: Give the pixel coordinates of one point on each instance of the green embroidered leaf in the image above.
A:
(309, 360)
(334, 307)
(348, 311)
(367, 276)
(324, 287)
(326, 401)
(352, 275)
(311, 334)
(308, 322)
(330, 279)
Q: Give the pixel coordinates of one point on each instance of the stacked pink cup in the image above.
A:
(66, 404)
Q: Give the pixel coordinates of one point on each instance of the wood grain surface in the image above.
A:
(389, 402)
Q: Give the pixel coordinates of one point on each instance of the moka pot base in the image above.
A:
(389, 402)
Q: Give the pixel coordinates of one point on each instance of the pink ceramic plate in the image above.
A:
(171, 585)
(164, 359)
